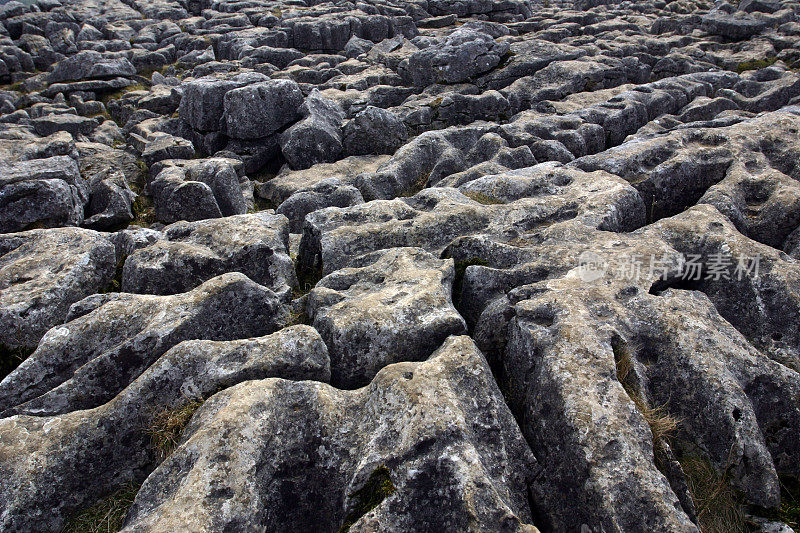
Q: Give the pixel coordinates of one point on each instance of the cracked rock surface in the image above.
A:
(427, 265)
(330, 444)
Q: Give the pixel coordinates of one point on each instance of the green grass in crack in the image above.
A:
(108, 96)
(144, 211)
(789, 510)
(105, 516)
(298, 318)
(149, 71)
(115, 285)
(378, 487)
(306, 279)
(261, 204)
(484, 199)
(756, 64)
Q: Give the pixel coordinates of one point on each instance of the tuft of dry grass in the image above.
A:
(718, 506)
(167, 425)
(662, 425)
(623, 361)
(107, 515)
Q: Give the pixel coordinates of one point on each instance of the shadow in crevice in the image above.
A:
(677, 282)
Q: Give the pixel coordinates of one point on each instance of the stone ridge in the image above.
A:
(427, 265)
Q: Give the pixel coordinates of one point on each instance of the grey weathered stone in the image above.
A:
(72, 124)
(177, 198)
(101, 449)
(42, 273)
(261, 109)
(110, 201)
(12, 9)
(356, 46)
(210, 189)
(391, 52)
(438, 430)
(77, 365)
(528, 56)
(329, 192)
(317, 138)
(280, 57)
(374, 131)
(89, 64)
(203, 103)
(686, 357)
(289, 182)
(196, 57)
(165, 146)
(763, 6)
(42, 192)
(34, 147)
(682, 167)
(190, 253)
(108, 133)
(435, 217)
(562, 78)
(762, 308)
(129, 240)
(732, 26)
(386, 307)
(464, 54)
(510, 147)
(426, 159)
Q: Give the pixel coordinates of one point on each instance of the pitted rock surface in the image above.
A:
(517, 265)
